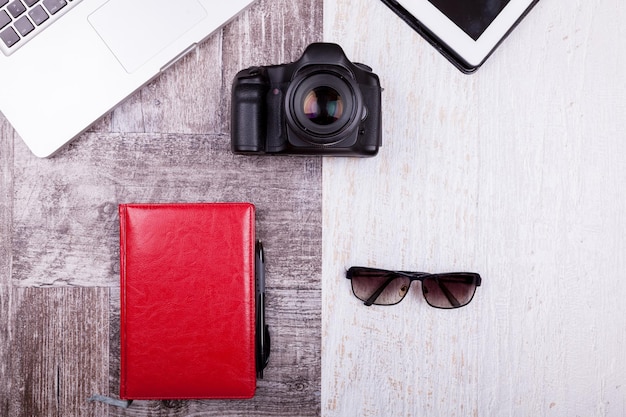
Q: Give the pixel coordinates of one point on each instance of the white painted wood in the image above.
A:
(516, 172)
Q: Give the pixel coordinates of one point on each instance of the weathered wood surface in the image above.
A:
(59, 230)
(56, 351)
(516, 172)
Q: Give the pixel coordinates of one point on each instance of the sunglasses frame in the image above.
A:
(413, 276)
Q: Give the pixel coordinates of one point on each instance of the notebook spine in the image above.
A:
(123, 367)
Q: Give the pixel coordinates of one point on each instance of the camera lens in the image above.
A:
(323, 105)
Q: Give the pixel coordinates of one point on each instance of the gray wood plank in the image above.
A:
(66, 222)
(55, 352)
(5, 358)
(167, 143)
(6, 198)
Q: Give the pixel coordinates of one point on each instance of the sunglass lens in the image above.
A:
(450, 290)
(376, 286)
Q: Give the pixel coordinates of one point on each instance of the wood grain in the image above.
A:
(516, 172)
(6, 197)
(59, 233)
(71, 236)
(56, 351)
(290, 385)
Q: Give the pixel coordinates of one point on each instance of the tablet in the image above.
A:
(464, 31)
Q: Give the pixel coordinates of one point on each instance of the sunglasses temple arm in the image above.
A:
(379, 291)
(451, 298)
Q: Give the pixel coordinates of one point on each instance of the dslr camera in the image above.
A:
(321, 104)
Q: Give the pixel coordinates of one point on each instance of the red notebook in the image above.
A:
(187, 301)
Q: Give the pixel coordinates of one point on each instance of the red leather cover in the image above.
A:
(187, 301)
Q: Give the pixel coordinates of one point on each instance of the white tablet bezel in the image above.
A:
(471, 51)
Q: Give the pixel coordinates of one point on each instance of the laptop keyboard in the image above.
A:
(20, 20)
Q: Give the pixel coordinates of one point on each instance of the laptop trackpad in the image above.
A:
(137, 30)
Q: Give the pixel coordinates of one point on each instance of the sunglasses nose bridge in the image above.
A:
(410, 277)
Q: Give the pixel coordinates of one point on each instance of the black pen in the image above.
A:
(262, 330)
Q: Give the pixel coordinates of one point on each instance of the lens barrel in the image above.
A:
(323, 107)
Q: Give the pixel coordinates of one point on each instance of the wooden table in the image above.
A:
(515, 172)
(170, 142)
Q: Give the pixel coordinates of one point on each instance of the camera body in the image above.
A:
(321, 104)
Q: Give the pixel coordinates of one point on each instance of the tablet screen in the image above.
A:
(465, 31)
(472, 16)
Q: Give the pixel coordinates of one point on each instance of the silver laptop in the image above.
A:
(66, 63)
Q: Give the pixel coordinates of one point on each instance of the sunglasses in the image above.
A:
(382, 287)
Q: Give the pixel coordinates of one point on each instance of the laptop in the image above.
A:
(66, 63)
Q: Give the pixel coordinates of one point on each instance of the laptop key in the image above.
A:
(4, 19)
(3, 2)
(16, 8)
(30, 3)
(38, 14)
(23, 26)
(54, 6)
(9, 37)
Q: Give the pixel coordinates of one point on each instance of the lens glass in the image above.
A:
(323, 105)
(449, 290)
(374, 286)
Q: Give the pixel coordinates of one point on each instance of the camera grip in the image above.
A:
(248, 124)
